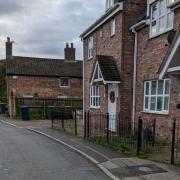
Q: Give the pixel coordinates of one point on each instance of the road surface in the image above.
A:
(25, 155)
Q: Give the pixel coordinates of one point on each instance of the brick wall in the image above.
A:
(132, 10)
(105, 45)
(46, 87)
(151, 53)
(121, 48)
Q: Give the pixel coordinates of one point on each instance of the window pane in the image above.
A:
(167, 86)
(162, 7)
(170, 20)
(113, 25)
(154, 27)
(160, 86)
(153, 104)
(146, 103)
(162, 24)
(97, 91)
(159, 103)
(166, 103)
(147, 88)
(64, 82)
(153, 87)
(94, 101)
(154, 11)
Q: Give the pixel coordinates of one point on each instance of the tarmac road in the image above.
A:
(25, 155)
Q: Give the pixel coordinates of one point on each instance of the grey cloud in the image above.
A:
(8, 7)
(43, 27)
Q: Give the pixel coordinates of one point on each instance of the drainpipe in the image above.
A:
(83, 86)
(134, 77)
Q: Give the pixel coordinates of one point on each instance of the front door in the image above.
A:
(112, 103)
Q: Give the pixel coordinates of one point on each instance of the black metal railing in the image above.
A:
(114, 129)
(67, 119)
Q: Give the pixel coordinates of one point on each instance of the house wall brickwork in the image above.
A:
(105, 45)
(120, 46)
(44, 87)
(151, 53)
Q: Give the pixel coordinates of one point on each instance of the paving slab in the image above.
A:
(110, 165)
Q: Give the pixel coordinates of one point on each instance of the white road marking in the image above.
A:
(11, 124)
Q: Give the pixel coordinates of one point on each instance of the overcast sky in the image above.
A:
(41, 28)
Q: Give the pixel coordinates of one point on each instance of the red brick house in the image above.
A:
(43, 78)
(156, 88)
(108, 60)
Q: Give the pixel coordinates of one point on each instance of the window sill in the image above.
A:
(159, 34)
(64, 86)
(155, 112)
(93, 107)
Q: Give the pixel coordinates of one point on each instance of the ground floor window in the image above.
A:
(156, 96)
(94, 97)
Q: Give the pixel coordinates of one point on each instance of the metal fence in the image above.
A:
(112, 129)
(117, 132)
(69, 120)
(40, 107)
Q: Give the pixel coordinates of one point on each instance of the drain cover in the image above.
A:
(145, 169)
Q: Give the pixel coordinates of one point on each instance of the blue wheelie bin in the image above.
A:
(25, 113)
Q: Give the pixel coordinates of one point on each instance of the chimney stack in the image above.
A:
(70, 52)
(9, 48)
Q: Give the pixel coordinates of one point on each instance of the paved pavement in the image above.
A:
(114, 164)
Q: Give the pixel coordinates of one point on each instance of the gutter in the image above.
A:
(138, 26)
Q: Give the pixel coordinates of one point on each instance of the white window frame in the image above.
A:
(95, 97)
(156, 95)
(90, 47)
(64, 78)
(113, 27)
(158, 17)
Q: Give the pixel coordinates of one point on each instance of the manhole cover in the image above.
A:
(145, 169)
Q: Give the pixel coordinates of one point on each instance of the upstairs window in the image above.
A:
(64, 82)
(161, 18)
(156, 96)
(90, 47)
(113, 27)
